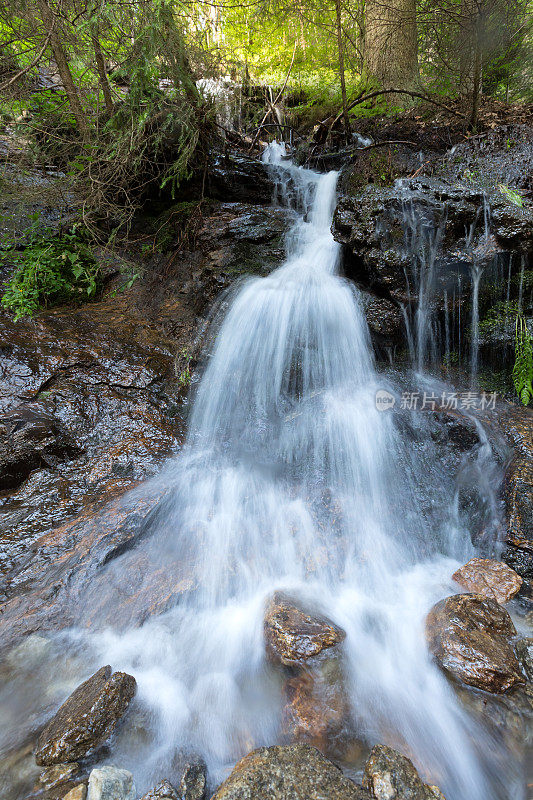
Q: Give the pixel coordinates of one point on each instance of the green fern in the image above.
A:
(523, 365)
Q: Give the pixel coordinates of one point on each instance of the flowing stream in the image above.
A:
(292, 479)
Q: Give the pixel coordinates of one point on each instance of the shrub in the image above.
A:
(52, 268)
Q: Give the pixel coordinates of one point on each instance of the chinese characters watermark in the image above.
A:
(430, 401)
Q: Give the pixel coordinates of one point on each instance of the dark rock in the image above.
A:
(516, 423)
(87, 718)
(239, 239)
(489, 578)
(193, 784)
(470, 637)
(292, 636)
(524, 651)
(292, 772)
(384, 319)
(390, 776)
(163, 791)
(236, 178)
(29, 439)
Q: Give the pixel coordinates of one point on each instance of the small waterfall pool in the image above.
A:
(291, 478)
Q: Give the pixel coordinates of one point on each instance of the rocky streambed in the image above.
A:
(93, 402)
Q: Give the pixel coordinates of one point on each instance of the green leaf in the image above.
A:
(515, 198)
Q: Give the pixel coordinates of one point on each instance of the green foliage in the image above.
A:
(523, 366)
(498, 320)
(511, 195)
(185, 374)
(150, 141)
(52, 268)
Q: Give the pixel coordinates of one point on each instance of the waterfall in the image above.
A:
(291, 478)
(477, 272)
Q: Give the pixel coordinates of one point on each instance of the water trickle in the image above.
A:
(477, 272)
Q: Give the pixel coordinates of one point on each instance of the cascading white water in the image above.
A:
(292, 479)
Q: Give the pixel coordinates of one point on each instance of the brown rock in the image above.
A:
(86, 718)
(79, 792)
(316, 707)
(58, 774)
(469, 635)
(291, 772)
(293, 636)
(390, 776)
(489, 578)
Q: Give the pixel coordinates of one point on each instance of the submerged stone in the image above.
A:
(86, 718)
(470, 637)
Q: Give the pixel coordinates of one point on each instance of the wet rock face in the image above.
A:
(517, 425)
(88, 397)
(489, 578)
(292, 772)
(111, 783)
(87, 718)
(390, 776)
(292, 636)
(238, 239)
(445, 193)
(236, 178)
(29, 439)
(470, 637)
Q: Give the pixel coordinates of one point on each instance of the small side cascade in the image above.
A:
(448, 289)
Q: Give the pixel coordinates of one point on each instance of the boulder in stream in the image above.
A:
(489, 578)
(470, 637)
(111, 783)
(290, 772)
(292, 636)
(86, 718)
(389, 775)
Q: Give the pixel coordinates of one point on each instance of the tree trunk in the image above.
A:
(476, 85)
(340, 48)
(102, 74)
(391, 45)
(60, 57)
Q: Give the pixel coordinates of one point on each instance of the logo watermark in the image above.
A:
(384, 400)
(430, 401)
